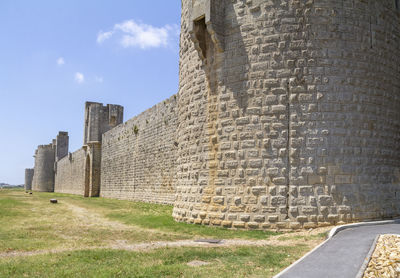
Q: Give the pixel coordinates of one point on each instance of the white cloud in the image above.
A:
(60, 61)
(102, 36)
(134, 34)
(79, 78)
(98, 79)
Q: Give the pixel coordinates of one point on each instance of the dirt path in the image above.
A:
(89, 218)
(223, 243)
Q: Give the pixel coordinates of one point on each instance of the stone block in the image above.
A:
(253, 225)
(238, 224)
(325, 200)
(226, 224)
(342, 179)
(258, 190)
(259, 218)
(244, 217)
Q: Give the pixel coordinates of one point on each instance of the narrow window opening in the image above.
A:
(113, 120)
(87, 177)
(200, 28)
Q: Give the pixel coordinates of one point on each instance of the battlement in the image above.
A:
(48, 146)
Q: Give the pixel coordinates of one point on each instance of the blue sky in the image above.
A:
(55, 55)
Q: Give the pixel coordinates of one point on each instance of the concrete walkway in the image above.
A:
(341, 256)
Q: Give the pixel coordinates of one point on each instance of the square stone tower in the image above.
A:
(98, 120)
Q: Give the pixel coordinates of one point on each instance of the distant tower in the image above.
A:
(43, 178)
(28, 179)
(46, 157)
(98, 120)
(62, 142)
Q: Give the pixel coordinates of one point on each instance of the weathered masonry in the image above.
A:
(287, 116)
(289, 112)
(139, 157)
(56, 170)
(46, 158)
(79, 172)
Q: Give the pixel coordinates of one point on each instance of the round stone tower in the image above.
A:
(289, 113)
(43, 178)
(28, 179)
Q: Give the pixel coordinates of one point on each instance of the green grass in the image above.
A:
(319, 236)
(167, 224)
(32, 223)
(15, 231)
(166, 262)
(154, 216)
(9, 207)
(96, 225)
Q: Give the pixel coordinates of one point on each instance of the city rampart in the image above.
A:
(70, 175)
(287, 116)
(139, 156)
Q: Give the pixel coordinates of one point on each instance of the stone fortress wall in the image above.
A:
(57, 170)
(287, 116)
(136, 159)
(70, 176)
(98, 120)
(294, 113)
(139, 156)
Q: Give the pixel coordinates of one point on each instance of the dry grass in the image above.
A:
(36, 234)
(30, 222)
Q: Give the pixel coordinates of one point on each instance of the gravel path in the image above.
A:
(385, 261)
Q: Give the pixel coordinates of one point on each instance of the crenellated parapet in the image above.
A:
(100, 119)
(62, 144)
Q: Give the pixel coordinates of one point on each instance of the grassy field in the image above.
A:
(97, 237)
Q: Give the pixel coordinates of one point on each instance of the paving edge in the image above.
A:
(300, 260)
(364, 266)
(337, 229)
(332, 233)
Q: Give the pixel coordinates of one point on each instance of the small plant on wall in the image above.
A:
(136, 129)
